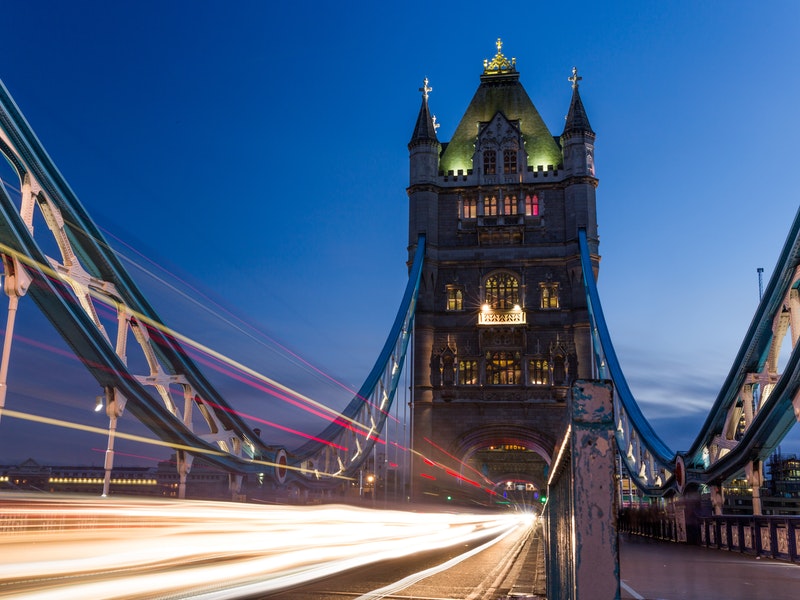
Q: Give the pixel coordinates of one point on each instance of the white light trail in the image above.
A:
(80, 547)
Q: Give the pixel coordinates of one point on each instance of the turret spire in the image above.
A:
(426, 126)
(577, 121)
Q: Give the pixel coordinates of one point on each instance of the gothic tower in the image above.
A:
(502, 328)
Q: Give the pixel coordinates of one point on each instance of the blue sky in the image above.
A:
(257, 152)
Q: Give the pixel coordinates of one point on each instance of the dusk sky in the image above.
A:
(253, 156)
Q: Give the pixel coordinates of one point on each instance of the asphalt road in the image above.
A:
(485, 575)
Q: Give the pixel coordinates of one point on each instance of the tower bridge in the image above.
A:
(514, 378)
(502, 326)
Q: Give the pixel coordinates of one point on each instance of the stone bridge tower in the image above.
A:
(502, 328)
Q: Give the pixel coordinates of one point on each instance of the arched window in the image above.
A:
(538, 371)
(510, 205)
(489, 162)
(502, 368)
(549, 295)
(532, 205)
(502, 291)
(455, 298)
(490, 206)
(469, 209)
(509, 161)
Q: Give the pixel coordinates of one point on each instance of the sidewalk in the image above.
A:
(656, 570)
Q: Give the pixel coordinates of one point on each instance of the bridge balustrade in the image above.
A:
(650, 521)
(768, 536)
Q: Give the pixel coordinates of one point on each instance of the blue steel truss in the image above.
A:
(754, 410)
(67, 288)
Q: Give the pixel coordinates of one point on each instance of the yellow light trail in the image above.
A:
(50, 272)
(154, 442)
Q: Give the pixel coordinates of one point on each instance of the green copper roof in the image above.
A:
(500, 91)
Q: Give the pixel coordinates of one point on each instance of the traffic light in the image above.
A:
(542, 498)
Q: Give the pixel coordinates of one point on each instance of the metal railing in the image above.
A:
(768, 536)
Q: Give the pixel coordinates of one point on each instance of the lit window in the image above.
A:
(509, 161)
(538, 371)
(532, 205)
(549, 295)
(468, 372)
(510, 205)
(455, 298)
(502, 292)
(490, 206)
(469, 209)
(502, 368)
(489, 162)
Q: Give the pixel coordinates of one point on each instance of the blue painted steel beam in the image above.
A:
(57, 302)
(755, 346)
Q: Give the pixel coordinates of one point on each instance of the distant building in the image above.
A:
(204, 482)
(32, 476)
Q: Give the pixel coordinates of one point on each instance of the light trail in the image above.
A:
(297, 359)
(448, 471)
(461, 462)
(14, 414)
(69, 548)
(183, 339)
(247, 375)
(253, 418)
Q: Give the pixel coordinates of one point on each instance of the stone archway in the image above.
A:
(503, 452)
(492, 462)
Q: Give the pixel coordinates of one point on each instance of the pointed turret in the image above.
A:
(577, 143)
(577, 121)
(423, 159)
(425, 129)
(424, 146)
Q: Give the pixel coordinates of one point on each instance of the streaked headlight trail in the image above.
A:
(80, 547)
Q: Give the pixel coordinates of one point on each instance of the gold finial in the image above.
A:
(499, 64)
(425, 89)
(574, 79)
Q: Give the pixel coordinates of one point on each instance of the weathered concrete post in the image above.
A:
(596, 556)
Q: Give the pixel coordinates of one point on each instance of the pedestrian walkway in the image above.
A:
(657, 570)
(526, 580)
